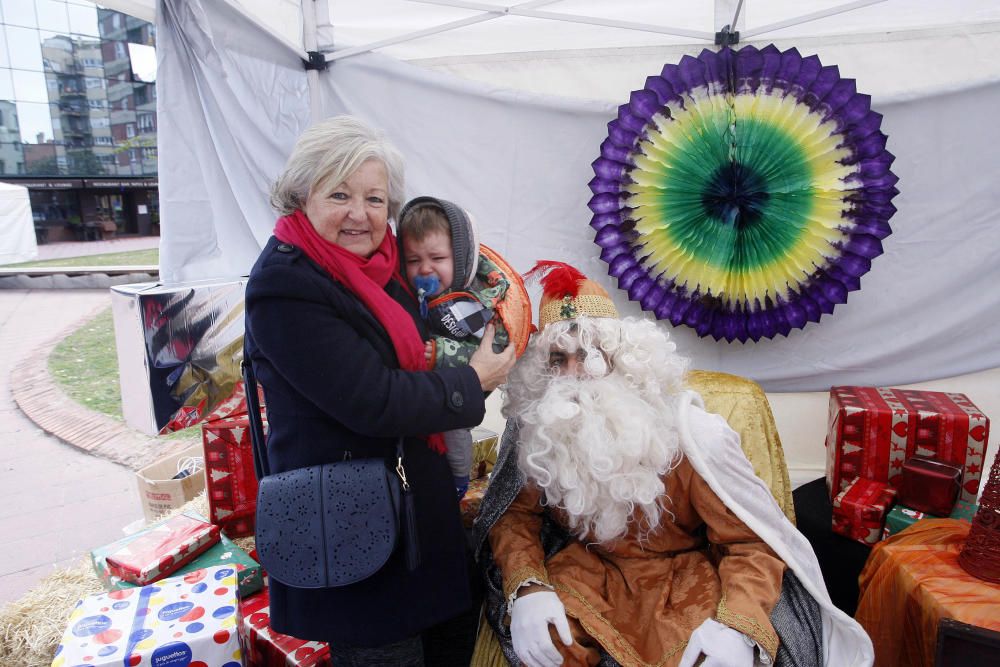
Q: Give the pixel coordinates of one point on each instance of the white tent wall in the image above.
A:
(234, 98)
(17, 227)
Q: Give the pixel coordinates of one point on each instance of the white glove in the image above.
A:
(722, 646)
(529, 628)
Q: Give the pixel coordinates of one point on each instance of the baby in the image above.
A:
(458, 289)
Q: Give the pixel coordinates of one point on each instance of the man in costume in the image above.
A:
(624, 525)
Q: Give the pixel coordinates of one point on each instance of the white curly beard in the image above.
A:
(599, 446)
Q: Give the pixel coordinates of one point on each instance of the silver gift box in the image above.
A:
(179, 350)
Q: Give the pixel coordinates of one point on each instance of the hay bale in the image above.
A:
(31, 627)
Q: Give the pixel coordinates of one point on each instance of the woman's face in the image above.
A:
(355, 214)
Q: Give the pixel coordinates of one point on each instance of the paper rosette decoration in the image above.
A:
(743, 193)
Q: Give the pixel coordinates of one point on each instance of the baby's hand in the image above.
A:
(429, 353)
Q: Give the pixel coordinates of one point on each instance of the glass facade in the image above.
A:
(77, 97)
(78, 115)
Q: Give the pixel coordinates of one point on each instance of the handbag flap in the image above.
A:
(328, 525)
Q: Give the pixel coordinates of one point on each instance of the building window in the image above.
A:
(130, 130)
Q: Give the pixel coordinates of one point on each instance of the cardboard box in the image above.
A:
(185, 620)
(872, 431)
(249, 574)
(859, 510)
(159, 492)
(179, 350)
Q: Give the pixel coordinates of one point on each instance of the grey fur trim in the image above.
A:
(464, 246)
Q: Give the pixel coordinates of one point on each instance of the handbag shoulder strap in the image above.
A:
(260, 464)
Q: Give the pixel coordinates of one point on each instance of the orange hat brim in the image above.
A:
(515, 308)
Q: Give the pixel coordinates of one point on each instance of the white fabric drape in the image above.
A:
(17, 228)
(233, 100)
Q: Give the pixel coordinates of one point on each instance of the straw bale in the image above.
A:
(31, 627)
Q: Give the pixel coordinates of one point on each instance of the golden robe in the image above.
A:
(641, 600)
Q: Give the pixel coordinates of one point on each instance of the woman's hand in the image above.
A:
(491, 367)
(429, 354)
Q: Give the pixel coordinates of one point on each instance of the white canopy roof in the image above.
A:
(538, 25)
(521, 160)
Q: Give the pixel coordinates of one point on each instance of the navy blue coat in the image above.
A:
(332, 383)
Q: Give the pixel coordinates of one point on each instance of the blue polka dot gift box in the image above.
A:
(184, 621)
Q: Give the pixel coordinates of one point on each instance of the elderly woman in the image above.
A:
(336, 342)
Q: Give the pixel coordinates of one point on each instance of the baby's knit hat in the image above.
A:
(464, 245)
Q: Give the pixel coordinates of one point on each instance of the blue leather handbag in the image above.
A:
(333, 524)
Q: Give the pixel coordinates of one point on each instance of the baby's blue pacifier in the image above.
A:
(426, 286)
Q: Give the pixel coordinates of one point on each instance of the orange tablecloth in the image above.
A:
(913, 580)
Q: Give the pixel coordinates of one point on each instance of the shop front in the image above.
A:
(91, 209)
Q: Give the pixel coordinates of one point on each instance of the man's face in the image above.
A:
(571, 363)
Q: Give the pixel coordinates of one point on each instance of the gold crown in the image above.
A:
(568, 294)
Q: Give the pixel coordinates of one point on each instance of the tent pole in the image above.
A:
(805, 18)
(309, 40)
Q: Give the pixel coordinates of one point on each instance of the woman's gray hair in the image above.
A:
(328, 153)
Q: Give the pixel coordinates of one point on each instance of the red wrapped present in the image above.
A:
(872, 431)
(473, 498)
(930, 486)
(267, 648)
(859, 510)
(229, 475)
(162, 550)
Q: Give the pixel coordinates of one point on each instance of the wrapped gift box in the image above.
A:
(859, 510)
(930, 486)
(229, 475)
(179, 351)
(872, 431)
(191, 619)
(469, 505)
(484, 451)
(162, 549)
(267, 648)
(900, 517)
(249, 574)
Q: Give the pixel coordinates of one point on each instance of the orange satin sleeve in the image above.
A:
(750, 573)
(911, 581)
(516, 541)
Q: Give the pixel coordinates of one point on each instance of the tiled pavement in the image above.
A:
(82, 248)
(56, 501)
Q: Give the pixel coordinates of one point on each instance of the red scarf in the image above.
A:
(365, 279)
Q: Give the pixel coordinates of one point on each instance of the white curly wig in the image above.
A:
(599, 444)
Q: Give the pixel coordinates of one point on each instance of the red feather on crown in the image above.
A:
(557, 278)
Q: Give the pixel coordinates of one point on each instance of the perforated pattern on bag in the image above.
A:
(346, 503)
(364, 533)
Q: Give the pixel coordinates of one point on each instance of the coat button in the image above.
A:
(285, 247)
(457, 400)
